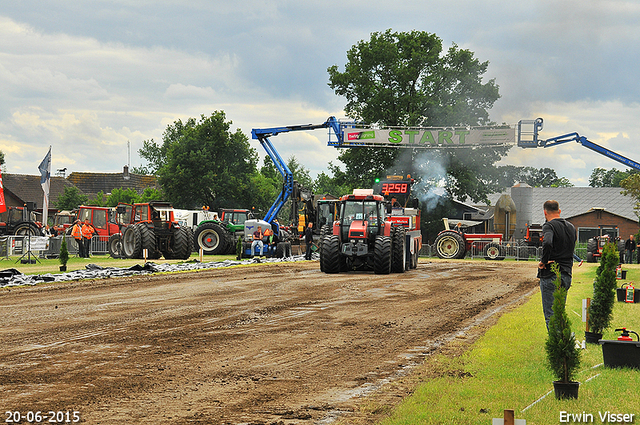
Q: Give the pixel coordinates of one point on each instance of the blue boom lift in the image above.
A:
(528, 138)
(290, 188)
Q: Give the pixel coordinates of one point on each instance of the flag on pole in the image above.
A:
(45, 181)
(3, 205)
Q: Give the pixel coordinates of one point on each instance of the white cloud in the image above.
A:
(87, 79)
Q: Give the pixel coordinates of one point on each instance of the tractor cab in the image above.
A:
(362, 217)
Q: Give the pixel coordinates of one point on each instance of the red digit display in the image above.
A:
(395, 187)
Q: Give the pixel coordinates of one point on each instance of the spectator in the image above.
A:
(629, 246)
(558, 242)
(257, 241)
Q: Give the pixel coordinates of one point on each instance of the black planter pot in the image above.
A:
(621, 353)
(592, 337)
(566, 390)
(63, 268)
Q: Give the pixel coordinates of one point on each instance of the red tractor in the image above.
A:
(107, 221)
(595, 245)
(451, 244)
(154, 229)
(364, 237)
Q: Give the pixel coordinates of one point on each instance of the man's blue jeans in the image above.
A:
(258, 243)
(547, 287)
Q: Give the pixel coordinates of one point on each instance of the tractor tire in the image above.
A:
(132, 242)
(591, 258)
(450, 245)
(231, 243)
(115, 246)
(493, 251)
(149, 241)
(592, 245)
(399, 255)
(27, 229)
(331, 260)
(382, 255)
(280, 250)
(181, 244)
(414, 259)
(324, 231)
(212, 238)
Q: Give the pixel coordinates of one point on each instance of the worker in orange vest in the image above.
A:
(87, 233)
(76, 232)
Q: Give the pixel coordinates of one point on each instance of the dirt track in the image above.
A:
(275, 343)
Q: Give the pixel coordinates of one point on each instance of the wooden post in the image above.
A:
(509, 417)
(586, 328)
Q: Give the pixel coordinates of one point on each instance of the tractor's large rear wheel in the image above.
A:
(132, 242)
(382, 255)
(149, 241)
(27, 229)
(450, 245)
(331, 260)
(398, 262)
(181, 245)
(212, 238)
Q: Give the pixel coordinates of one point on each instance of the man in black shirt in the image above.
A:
(630, 246)
(558, 242)
(308, 240)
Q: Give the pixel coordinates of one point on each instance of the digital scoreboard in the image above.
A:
(395, 187)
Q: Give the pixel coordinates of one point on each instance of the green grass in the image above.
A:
(506, 369)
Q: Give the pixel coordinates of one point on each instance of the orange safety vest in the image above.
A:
(76, 231)
(87, 231)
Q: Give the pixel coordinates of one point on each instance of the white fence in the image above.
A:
(46, 247)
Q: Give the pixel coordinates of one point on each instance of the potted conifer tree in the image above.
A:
(604, 294)
(562, 354)
(64, 255)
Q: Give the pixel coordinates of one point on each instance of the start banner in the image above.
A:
(428, 137)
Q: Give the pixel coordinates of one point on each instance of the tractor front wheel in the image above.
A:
(132, 242)
(330, 256)
(382, 255)
(493, 251)
(115, 246)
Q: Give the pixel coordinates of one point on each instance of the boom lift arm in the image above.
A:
(263, 134)
(528, 138)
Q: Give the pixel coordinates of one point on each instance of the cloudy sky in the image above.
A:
(90, 77)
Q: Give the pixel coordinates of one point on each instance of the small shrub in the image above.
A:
(562, 354)
(64, 252)
(604, 290)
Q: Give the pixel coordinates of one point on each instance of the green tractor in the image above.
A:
(217, 237)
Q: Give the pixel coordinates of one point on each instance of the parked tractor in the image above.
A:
(154, 229)
(595, 246)
(219, 236)
(20, 221)
(454, 244)
(364, 237)
(533, 237)
(62, 221)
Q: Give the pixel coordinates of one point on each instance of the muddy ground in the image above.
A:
(271, 343)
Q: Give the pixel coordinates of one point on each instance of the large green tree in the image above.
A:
(71, 198)
(405, 79)
(631, 187)
(202, 162)
(601, 177)
(508, 175)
